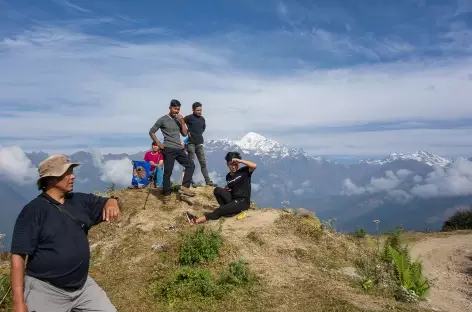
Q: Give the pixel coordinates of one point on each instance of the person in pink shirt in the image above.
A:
(156, 159)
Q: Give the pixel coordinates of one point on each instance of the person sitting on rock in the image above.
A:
(236, 196)
(156, 159)
(52, 230)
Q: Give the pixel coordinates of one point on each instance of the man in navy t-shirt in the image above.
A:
(52, 231)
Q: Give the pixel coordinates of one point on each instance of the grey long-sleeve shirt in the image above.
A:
(170, 129)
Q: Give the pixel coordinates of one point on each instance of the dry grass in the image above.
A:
(297, 263)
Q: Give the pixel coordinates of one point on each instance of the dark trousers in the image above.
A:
(170, 156)
(228, 205)
(200, 152)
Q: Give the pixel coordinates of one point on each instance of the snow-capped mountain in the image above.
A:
(256, 144)
(420, 156)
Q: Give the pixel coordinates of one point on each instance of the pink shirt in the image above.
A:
(155, 157)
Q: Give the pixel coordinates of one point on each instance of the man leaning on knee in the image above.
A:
(51, 231)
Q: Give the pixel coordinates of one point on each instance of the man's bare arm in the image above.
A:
(17, 272)
(251, 165)
(154, 138)
(183, 128)
(152, 133)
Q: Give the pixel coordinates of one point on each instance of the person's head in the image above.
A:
(197, 108)
(174, 108)
(154, 147)
(232, 165)
(56, 172)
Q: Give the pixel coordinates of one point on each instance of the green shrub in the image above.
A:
(190, 282)
(198, 283)
(359, 233)
(461, 220)
(200, 246)
(5, 292)
(393, 241)
(239, 274)
(409, 276)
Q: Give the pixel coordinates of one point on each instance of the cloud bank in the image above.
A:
(113, 86)
(118, 172)
(455, 180)
(15, 166)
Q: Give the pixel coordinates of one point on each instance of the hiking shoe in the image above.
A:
(187, 191)
(210, 183)
(190, 218)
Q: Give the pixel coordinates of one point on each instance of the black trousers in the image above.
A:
(228, 205)
(170, 156)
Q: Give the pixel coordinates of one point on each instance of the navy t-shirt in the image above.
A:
(58, 248)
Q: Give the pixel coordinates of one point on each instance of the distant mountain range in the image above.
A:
(417, 190)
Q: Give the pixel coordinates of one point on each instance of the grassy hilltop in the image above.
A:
(271, 260)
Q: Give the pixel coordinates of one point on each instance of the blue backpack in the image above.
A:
(141, 173)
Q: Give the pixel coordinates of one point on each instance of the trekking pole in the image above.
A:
(145, 202)
(151, 181)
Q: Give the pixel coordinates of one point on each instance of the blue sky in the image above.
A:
(334, 77)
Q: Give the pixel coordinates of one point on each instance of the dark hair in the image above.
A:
(44, 182)
(195, 105)
(231, 155)
(154, 143)
(174, 103)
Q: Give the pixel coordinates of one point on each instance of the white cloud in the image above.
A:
(298, 192)
(403, 173)
(198, 176)
(306, 184)
(390, 182)
(15, 166)
(350, 188)
(444, 142)
(117, 171)
(113, 171)
(112, 86)
(255, 187)
(455, 180)
(417, 178)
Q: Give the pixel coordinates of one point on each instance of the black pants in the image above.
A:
(228, 205)
(170, 156)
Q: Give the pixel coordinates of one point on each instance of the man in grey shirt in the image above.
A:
(172, 126)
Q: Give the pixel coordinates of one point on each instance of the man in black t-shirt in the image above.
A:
(51, 230)
(236, 196)
(196, 126)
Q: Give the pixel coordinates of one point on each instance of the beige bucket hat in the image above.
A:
(54, 166)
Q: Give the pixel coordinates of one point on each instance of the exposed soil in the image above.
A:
(447, 262)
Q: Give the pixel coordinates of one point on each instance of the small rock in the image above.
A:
(350, 271)
(159, 246)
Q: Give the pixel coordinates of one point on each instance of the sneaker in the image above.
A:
(210, 183)
(187, 191)
(190, 218)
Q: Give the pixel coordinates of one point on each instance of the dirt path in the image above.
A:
(447, 262)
